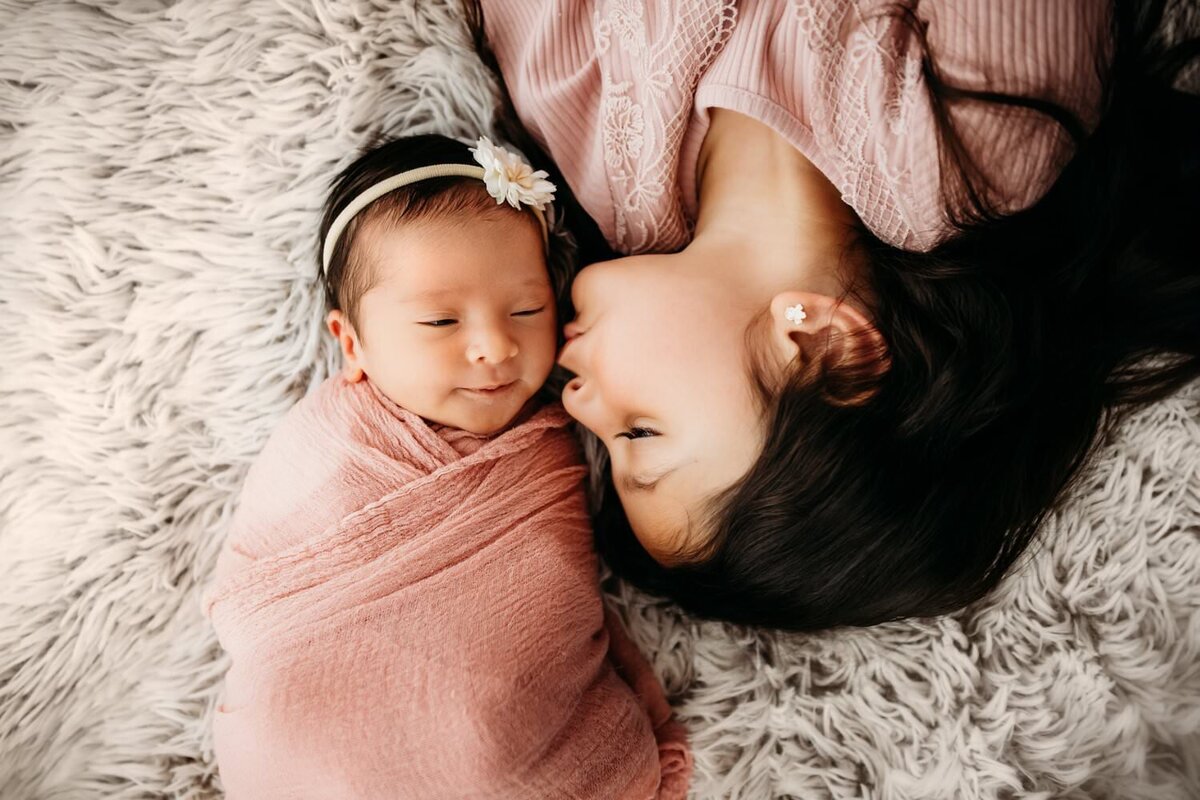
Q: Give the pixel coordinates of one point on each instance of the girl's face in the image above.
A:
(660, 356)
(460, 328)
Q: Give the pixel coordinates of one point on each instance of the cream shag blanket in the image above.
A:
(161, 169)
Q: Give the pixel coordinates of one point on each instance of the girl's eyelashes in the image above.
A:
(530, 312)
(637, 433)
(439, 323)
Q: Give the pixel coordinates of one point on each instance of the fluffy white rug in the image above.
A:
(161, 169)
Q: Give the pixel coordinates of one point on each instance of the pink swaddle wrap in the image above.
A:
(406, 620)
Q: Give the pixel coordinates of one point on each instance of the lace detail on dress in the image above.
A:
(859, 116)
(646, 114)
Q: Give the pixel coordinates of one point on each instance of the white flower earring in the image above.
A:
(795, 314)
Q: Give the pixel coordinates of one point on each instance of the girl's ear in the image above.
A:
(806, 325)
(347, 339)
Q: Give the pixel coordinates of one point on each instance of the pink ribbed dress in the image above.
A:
(618, 93)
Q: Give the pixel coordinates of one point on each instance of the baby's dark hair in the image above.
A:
(352, 265)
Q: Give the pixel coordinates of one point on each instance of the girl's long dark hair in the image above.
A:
(1013, 345)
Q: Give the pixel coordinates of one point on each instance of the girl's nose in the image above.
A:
(491, 345)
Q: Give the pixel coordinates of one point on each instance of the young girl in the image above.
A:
(408, 591)
(887, 271)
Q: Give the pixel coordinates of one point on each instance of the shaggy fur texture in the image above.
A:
(162, 166)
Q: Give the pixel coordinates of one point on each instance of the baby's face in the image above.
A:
(461, 326)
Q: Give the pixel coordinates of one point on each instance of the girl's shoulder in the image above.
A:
(873, 111)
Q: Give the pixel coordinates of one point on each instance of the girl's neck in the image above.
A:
(765, 212)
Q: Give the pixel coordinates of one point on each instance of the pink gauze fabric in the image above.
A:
(411, 614)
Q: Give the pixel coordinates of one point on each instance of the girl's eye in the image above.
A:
(637, 433)
(530, 312)
(440, 323)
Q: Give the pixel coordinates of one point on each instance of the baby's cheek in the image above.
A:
(421, 374)
(549, 341)
(426, 377)
(545, 348)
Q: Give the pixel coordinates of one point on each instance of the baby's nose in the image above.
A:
(491, 346)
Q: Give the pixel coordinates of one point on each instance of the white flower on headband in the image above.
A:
(509, 178)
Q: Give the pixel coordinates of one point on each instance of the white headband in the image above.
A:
(506, 175)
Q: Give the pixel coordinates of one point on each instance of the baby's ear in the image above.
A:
(347, 340)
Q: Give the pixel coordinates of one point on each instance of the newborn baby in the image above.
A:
(408, 591)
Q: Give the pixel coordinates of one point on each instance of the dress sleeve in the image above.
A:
(875, 124)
